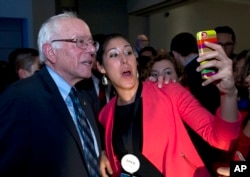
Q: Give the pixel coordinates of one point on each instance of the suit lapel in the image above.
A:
(60, 106)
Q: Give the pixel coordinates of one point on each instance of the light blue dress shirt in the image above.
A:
(64, 89)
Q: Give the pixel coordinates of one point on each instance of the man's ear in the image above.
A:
(22, 73)
(49, 52)
(100, 68)
(176, 54)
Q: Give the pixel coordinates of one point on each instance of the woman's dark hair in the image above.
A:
(143, 67)
(148, 48)
(102, 48)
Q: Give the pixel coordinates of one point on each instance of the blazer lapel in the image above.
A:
(60, 106)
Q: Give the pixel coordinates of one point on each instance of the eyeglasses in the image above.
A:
(80, 42)
(226, 44)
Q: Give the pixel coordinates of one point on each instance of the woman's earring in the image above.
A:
(104, 80)
(137, 74)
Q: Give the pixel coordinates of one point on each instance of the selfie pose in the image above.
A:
(144, 125)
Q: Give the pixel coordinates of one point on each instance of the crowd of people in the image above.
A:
(97, 105)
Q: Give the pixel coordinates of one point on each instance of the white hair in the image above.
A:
(49, 29)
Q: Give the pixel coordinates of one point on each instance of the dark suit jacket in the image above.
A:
(37, 135)
(209, 97)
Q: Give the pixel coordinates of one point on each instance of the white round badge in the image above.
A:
(130, 163)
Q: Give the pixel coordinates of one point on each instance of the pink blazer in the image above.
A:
(166, 142)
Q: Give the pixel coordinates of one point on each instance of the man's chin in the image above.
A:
(87, 76)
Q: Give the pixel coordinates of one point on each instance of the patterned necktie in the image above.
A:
(88, 142)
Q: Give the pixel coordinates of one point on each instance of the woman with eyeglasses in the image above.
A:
(144, 130)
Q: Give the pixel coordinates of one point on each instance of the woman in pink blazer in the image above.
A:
(147, 121)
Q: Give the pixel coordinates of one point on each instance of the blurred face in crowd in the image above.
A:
(238, 71)
(72, 58)
(24, 73)
(162, 52)
(226, 41)
(247, 82)
(164, 68)
(142, 41)
(147, 54)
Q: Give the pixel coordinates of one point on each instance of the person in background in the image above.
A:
(23, 62)
(146, 55)
(247, 74)
(184, 49)
(163, 66)
(148, 51)
(143, 67)
(44, 121)
(227, 39)
(140, 42)
(27, 63)
(147, 122)
(243, 143)
(240, 66)
(241, 150)
(162, 51)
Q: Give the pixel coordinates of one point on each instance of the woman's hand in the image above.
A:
(105, 165)
(223, 171)
(217, 58)
(161, 80)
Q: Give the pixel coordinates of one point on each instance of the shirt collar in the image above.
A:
(191, 59)
(62, 85)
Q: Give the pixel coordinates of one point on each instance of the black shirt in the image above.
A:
(126, 139)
